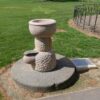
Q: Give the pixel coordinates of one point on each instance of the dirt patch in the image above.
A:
(87, 32)
(5, 96)
(60, 30)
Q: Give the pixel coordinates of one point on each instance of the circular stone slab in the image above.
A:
(61, 77)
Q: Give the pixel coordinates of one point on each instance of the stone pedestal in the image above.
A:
(40, 69)
(42, 30)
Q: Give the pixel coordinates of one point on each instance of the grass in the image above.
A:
(91, 0)
(15, 37)
(1, 97)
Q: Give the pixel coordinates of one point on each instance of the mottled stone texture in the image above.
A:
(43, 29)
(45, 61)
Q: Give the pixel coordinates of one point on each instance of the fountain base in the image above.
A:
(61, 77)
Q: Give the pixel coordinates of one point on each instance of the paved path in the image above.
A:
(92, 94)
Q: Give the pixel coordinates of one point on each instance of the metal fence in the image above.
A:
(87, 16)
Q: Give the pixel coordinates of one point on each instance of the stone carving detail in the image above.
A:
(45, 59)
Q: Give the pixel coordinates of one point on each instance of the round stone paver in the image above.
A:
(63, 76)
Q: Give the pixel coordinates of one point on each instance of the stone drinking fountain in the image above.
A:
(41, 69)
(43, 58)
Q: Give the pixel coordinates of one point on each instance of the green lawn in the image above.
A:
(95, 0)
(15, 37)
(1, 97)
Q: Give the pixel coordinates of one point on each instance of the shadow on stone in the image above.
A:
(65, 62)
(61, 63)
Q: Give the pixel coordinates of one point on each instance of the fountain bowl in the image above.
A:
(42, 27)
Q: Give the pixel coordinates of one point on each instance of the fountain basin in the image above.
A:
(29, 57)
(42, 27)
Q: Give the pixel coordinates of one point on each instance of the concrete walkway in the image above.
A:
(91, 94)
